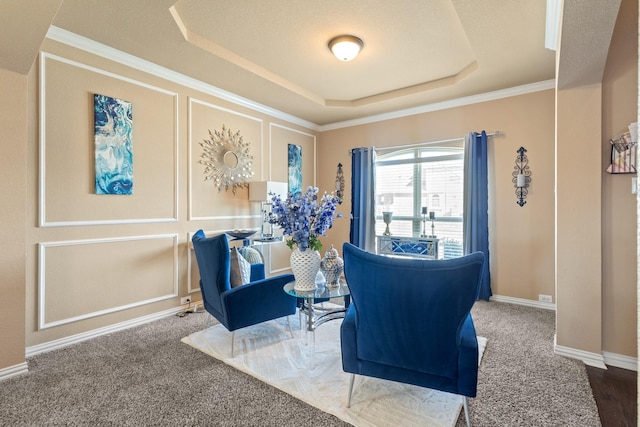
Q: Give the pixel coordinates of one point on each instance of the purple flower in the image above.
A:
(304, 217)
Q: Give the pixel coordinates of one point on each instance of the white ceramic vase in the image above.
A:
(305, 266)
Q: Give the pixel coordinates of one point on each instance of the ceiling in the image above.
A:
(275, 53)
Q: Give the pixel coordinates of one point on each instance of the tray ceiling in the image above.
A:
(275, 53)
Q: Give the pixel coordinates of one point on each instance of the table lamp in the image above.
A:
(262, 191)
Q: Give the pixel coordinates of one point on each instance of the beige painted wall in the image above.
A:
(619, 217)
(521, 238)
(578, 216)
(101, 260)
(597, 310)
(13, 139)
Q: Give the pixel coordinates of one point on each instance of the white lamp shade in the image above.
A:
(259, 190)
(345, 48)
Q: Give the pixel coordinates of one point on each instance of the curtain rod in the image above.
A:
(395, 147)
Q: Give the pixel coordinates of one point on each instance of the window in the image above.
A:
(427, 176)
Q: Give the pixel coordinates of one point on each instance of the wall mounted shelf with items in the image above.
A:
(624, 152)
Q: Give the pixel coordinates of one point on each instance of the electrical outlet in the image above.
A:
(545, 298)
(185, 300)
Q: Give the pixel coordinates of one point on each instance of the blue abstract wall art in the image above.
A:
(113, 121)
(295, 169)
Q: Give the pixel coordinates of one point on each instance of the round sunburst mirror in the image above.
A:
(226, 159)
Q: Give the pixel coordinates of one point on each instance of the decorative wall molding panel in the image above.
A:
(66, 148)
(274, 126)
(126, 272)
(203, 195)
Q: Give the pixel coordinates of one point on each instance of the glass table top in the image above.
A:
(322, 291)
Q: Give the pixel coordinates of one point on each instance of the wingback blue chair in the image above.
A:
(246, 305)
(410, 321)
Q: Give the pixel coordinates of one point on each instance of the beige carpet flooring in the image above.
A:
(310, 369)
(145, 376)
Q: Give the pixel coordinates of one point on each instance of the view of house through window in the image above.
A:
(427, 176)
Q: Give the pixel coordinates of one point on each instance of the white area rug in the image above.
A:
(313, 374)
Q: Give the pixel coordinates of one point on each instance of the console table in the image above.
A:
(421, 247)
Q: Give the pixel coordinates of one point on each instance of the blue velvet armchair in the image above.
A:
(410, 321)
(246, 305)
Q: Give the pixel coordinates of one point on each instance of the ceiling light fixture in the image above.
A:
(345, 47)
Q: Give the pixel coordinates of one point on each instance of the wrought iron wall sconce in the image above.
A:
(521, 176)
(339, 184)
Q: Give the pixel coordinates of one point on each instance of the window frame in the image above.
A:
(417, 159)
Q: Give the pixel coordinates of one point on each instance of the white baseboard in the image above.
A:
(522, 301)
(12, 371)
(74, 339)
(589, 358)
(620, 361)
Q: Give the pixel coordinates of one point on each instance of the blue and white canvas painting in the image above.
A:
(295, 169)
(113, 121)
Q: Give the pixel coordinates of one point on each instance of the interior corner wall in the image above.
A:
(578, 218)
(13, 172)
(619, 216)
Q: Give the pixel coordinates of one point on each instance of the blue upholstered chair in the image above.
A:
(255, 302)
(410, 321)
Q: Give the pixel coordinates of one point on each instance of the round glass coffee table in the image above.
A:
(316, 316)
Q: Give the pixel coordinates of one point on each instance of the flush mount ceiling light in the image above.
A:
(345, 47)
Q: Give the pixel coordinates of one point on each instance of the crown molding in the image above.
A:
(74, 40)
(458, 102)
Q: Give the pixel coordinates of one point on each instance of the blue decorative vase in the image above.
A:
(332, 266)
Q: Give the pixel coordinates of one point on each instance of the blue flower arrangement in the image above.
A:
(305, 217)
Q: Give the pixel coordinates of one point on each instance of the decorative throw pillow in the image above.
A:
(240, 272)
(251, 254)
